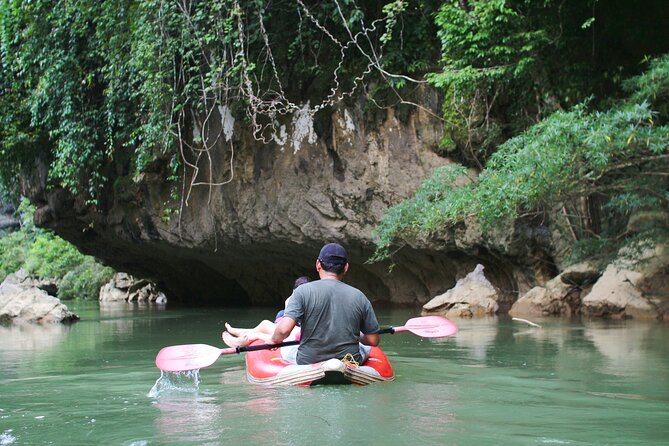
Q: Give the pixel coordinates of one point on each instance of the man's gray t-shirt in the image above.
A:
(332, 314)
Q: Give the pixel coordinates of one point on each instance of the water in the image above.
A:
(497, 382)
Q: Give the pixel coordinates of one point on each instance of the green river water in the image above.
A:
(496, 382)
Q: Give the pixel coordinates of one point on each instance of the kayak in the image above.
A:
(265, 363)
(269, 367)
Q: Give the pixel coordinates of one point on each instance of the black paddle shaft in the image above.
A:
(252, 348)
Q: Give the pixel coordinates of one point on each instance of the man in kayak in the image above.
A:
(335, 317)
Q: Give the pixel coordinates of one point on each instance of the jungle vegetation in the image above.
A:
(45, 255)
(558, 105)
(561, 112)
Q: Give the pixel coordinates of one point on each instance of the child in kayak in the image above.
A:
(241, 337)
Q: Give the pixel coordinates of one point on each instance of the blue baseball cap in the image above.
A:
(333, 253)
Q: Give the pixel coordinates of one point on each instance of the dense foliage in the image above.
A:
(507, 64)
(106, 87)
(499, 61)
(617, 158)
(531, 92)
(535, 102)
(45, 255)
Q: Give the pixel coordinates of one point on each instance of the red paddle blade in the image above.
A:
(180, 358)
(430, 327)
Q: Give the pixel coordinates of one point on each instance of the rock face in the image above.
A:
(253, 216)
(21, 300)
(125, 288)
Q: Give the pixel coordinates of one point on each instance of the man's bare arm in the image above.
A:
(369, 339)
(282, 330)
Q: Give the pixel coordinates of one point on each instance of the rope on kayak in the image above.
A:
(350, 360)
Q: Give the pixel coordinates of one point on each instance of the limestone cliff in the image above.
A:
(253, 215)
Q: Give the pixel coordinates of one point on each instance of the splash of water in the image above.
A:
(7, 438)
(176, 382)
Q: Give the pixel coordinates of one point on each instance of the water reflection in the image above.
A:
(188, 417)
(21, 343)
(208, 417)
(620, 345)
(431, 400)
(122, 309)
(258, 405)
(566, 346)
(476, 336)
(31, 337)
(235, 375)
(550, 332)
(122, 318)
(495, 382)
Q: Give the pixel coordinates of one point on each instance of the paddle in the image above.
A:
(426, 327)
(180, 358)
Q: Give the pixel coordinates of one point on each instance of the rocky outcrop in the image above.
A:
(254, 214)
(560, 296)
(126, 288)
(22, 300)
(471, 296)
(635, 286)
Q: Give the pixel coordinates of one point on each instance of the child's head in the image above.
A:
(300, 281)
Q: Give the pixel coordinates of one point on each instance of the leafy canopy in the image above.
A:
(46, 255)
(507, 64)
(620, 154)
(98, 88)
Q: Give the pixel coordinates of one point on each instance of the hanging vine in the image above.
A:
(239, 65)
(90, 83)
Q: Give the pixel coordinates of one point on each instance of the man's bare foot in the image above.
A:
(232, 341)
(234, 331)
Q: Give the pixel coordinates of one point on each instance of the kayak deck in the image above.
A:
(268, 367)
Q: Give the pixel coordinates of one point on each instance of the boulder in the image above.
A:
(537, 302)
(109, 293)
(125, 288)
(634, 286)
(472, 296)
(21, 300)
(560, 296)
(123, 280)
(617, 295)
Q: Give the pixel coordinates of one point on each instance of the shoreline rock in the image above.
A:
(22, 300)
(471, 296)
(635, 285)
(560, 296)
(125, 288)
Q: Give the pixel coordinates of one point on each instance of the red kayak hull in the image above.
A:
(268, 367)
